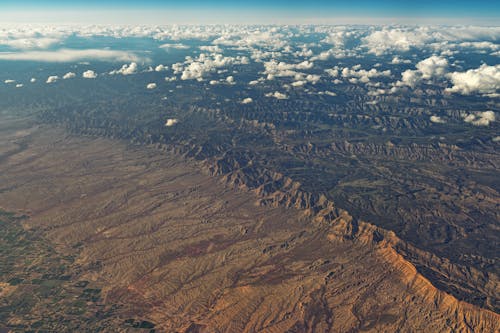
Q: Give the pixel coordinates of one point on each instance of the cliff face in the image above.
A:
(172, 245)
(436, 186)
(276, 190)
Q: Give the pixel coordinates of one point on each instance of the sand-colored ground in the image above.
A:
(178, 248)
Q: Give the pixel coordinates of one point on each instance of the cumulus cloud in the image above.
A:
(299, 83)
(356, 74)
(247, 100)
(171, 122)
(69, 75)
(258, 37)
(19, 85)
(9, 81)
(432, 67)
(211, 48)
(274, 69)
(69, 55)
(484, 80)
(52, 79)
(338, 38)
(397, 60)
(402, 39)
(161, 68)
(333, 54)
(197, 68)
(32, 80)
(426, 69)
(90, 74)
(151, 86)
(333, 72)
(312, 78)
(480, 118)
(437, 119)
(177, 68)
(127, 69)
(399, 39)
(277, 95)
(230, 80)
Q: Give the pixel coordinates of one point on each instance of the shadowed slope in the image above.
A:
(175, 246)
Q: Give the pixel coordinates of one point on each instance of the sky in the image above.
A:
(485, 12)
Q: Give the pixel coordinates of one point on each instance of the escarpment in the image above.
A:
(170, 245)
(433, 210)
(465, 283)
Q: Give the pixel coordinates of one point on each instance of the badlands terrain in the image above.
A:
(147, 240)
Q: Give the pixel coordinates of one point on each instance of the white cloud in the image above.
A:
(258, 37)
(410, 78)
(484, 80)
(480, 118)
(30, 43)
(177, 68)
(298, 83)
(397, 60)
(402, 39)
(356, 74)
(161, 68)
(26, 37)
(432, 67)
(247, 100)
(211, 48)
(427, 69)
(333, 54)
(32, 80)
(230, 80)
(328, 93)
(176, 46)
(69, 75)
(52, 79)
(274, 69)
(338, 38)
(333, 72)
(437, 119)
(151, 86)
(127, 69)
(399, 39)
(197, 68)
(9, 81)
(313, 78)
(277, 95)
(19, 85)
(171, 122)
(90, 74)
(69, 55)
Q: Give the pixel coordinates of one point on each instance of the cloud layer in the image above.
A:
(70, 55)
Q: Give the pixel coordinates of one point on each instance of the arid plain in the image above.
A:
(170, 245)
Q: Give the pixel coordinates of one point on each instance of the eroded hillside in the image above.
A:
(192, 248)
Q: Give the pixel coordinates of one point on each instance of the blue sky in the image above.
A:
(459, 11)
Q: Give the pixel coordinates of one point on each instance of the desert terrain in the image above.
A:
(169, 244)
